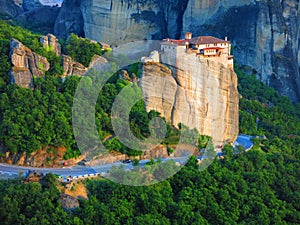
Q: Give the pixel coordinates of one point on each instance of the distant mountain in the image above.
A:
(36, 15)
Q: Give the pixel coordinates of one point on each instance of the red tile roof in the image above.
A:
(174, 41)
(196, 40)
(206, 40)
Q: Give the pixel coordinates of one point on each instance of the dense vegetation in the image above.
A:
(41, 118)
(264, 112)
(260, 186)
(252, 188)
(81, 50)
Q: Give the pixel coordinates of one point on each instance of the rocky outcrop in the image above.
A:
(128, 77)
(201, 94)
(72, 68)
(68, 202)
(265, 34)
(26, 64)
(51, 42)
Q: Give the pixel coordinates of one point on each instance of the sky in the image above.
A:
(51, 2)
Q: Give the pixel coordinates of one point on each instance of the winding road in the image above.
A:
(77, 171)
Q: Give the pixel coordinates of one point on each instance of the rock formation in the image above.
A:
(201, 94)
(50, 41)
(68, 202)
(265, 34)
(51, 2)
(26, 64)
(72, 68)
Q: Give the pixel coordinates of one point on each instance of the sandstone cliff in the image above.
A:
(200, 94)
(265, 34)
(26, 64)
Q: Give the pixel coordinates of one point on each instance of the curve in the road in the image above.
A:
(84, 171)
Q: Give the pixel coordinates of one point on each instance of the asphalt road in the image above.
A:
(77, 170)
(243, 140)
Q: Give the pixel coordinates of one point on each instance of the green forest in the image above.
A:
(261, 186)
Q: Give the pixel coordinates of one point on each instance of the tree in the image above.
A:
(81, 50)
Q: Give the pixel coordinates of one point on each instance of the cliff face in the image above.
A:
(12, 8)
(70, 19)
(265, 34)
(26, 64)
(201, 94)
(116, 21)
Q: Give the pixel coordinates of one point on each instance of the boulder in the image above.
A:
(68, 202)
